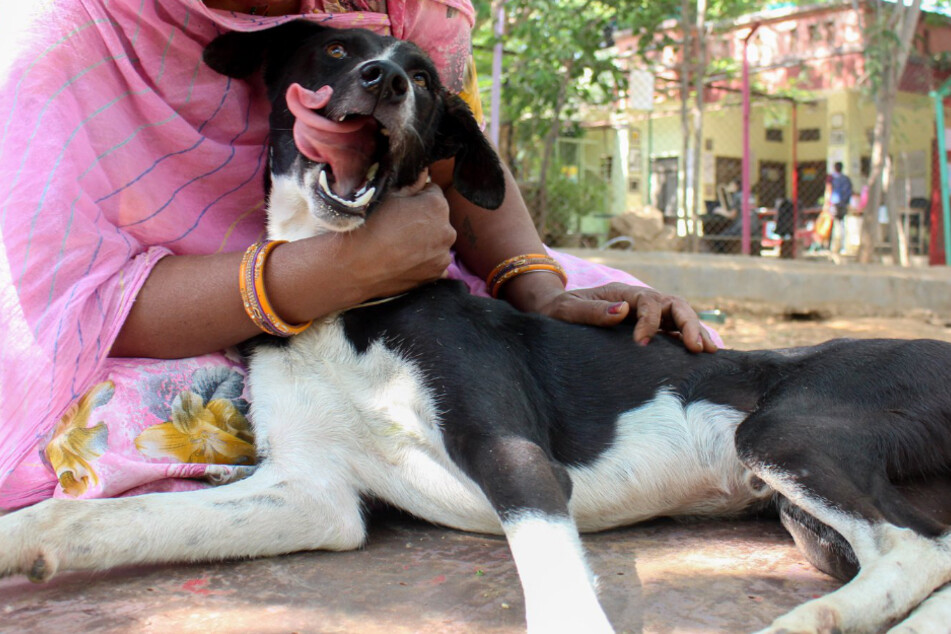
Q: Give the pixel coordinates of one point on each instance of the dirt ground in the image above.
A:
(748, 331)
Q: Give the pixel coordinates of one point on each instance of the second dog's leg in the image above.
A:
(530, 494)
(268, 513)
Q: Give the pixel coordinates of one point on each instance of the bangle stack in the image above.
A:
(519, 265)
(254, 297)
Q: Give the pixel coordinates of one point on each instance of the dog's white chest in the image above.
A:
(369, 413)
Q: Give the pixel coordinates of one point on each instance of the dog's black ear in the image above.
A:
(239, 54)
(477, 174)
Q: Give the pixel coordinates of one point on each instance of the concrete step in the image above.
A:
(800, 285)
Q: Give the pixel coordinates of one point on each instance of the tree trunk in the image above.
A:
(885, 104)
(699, 75)
(892, 55)
(896, 236)
(687, 49)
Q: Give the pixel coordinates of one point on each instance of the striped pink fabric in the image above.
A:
(118, 147)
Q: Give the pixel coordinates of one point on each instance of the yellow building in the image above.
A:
(807, 111)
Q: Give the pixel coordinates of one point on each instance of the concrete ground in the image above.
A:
(658, 577)
(663, 576)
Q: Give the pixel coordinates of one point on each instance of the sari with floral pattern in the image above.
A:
(118, 147)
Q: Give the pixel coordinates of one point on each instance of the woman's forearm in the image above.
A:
(487, 237)
(191, 304)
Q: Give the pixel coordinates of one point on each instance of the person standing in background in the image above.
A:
(839, 198)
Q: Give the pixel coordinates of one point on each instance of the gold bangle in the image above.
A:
(519, 265)
(254, 295)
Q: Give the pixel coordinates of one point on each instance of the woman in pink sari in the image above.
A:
(131, 182)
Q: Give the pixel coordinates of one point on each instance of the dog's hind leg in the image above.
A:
(899, 570)
(934, 615)
(903, 555)
(530, 494)
(270, 513)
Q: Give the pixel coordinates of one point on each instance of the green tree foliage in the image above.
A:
(556, 62)
(647, 18)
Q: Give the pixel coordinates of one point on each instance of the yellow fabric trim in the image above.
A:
(470, 91)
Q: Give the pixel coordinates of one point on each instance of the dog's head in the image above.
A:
(393, 119)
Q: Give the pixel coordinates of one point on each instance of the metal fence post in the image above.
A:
(745, 176)
(938, 96)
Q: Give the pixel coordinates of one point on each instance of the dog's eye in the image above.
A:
(421, 79)
(336, 50)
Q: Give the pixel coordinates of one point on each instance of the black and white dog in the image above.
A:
(467, 413)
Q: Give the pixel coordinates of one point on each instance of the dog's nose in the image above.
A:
(385, 78)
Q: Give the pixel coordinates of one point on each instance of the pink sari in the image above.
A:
(119, 147)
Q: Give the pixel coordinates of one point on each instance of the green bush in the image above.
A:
(570, 198)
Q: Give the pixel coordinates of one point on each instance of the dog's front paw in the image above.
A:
(21, 534)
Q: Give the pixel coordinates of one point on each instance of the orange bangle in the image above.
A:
(254, 295)
(520, 265)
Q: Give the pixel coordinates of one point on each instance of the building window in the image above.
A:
(809, 134)
(606, 167)
(774, 134)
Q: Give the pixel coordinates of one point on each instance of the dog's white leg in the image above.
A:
(899, 570)
(272, 512)
(902, 554)
(559, 588)
(530, 492)
(934, 615)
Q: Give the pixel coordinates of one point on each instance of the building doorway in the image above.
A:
(812, 183)
(772, 183)
(665, 176)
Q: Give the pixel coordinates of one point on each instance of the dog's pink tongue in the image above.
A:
(347, 146)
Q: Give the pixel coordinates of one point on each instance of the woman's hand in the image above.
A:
(609, 305)
(406, 241)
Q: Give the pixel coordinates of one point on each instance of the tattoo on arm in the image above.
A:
(468, 231)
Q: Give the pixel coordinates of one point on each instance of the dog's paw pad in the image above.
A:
(40, 571)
